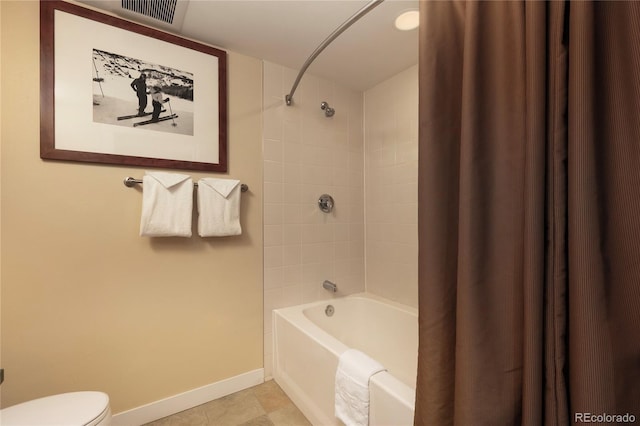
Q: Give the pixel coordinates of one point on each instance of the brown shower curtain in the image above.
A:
(529, 213)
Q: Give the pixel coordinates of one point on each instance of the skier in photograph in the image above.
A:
(139, 85)
(157, 101)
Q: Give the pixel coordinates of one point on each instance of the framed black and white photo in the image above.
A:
(116, 92)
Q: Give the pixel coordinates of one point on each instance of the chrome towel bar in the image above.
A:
(129, 182)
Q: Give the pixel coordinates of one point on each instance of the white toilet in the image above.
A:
(67, 409)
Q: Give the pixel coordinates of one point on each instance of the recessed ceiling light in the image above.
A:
(408, 20)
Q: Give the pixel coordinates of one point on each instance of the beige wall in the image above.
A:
(391, 170)
(0, 201)
(306, 155)
(86, 302)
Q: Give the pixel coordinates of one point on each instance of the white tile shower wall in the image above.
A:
(391, 170)
(307, 154)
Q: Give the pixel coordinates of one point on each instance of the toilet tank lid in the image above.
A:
(74, 408)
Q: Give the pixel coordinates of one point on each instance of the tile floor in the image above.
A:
(262, 405)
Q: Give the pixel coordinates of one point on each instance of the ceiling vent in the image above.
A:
(167, 14)
(162, 10)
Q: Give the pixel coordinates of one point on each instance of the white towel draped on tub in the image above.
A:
(352, 387)
(218, 207)
(167, 205)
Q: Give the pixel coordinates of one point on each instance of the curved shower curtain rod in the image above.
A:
(359, 14)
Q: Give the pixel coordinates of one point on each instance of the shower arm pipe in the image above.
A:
(359, 14)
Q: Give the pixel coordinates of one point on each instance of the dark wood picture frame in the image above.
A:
(48, 146)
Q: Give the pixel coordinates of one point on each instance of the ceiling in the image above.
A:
(286, 32)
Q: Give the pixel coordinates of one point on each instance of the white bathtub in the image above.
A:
(307, 344)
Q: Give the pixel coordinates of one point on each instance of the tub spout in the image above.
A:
(330, 286)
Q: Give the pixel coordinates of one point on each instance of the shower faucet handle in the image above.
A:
(326, 203)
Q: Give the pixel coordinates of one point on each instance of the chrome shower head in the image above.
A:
(328, 111)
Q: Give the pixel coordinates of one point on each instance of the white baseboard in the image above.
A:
(174, 404)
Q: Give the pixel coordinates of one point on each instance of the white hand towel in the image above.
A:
(352, 387)
(167, 205)
(218, 207)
